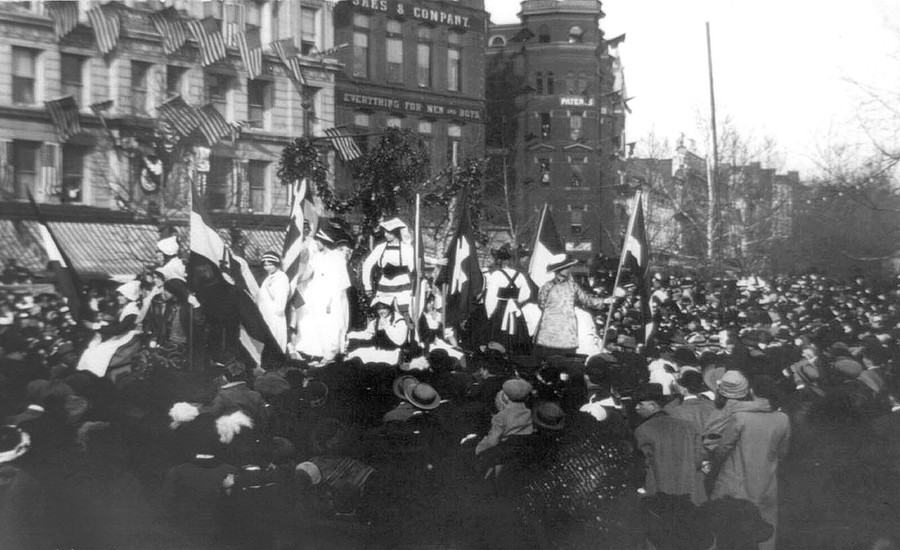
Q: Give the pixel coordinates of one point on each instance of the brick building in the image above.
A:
(557, 118)
(413, 64)
(95, 175)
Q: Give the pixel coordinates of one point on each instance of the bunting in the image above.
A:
(250, 46)
(106, 27)
(212, 45)
(171, 28)
(64, 14)
(65, 116)
(287, 52)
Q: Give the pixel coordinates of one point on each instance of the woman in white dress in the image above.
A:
(273, 297)
(323, 327)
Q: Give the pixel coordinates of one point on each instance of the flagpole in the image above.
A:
(417, 284)
(637, 198)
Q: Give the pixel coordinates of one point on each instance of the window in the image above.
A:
(257, 102)
(256, 180)
(576, 121)
(24, 71)
(544, 163)
(253, 15)
(360, 54)
(423, 58)
(139, 80)
(544, 34)
(539, 82)
(71, 69)
(217, 87)
(174, 80)
(394, 46)
(394, 122)
(425, 127)
(576, 35)
(454, 138)
(576, 219)
(220, 176)
(545, 125)
(498, 42)
(550, 83)
(362, 120)
(577, 177)
(308, 30)
(24, 165)
(454, 69)
(72, 173)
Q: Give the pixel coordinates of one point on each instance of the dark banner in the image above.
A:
(419, 108)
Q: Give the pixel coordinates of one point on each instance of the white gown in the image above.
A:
(272, 301)
(322, 329)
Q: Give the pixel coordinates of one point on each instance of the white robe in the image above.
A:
(272, 301)
(322, 329)
(99, 352)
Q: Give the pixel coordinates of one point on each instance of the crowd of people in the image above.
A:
(525, 426)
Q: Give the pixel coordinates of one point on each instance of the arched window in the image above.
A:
(497, 42)
(544, 34)
(576, 35)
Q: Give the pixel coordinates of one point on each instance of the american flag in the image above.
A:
(106, 28)
(295, 252)
(171, 28)
(64, 14)
(213, 125)
(345, 145)
(64, 112)
(287, 53)
(180, 115)
(250, 45)
(208, 35)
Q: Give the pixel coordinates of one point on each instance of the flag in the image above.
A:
(462, 275)
(635, 258)
(64, 14)
(208, 35)
(250, 46)
(180, 115)
(225, 286)
(345, 145)
(65, 116)
(171, 28)
(287, 53)
(295, 253)
(548, 249)
(67, 278)
(106, 28)
(213, 125)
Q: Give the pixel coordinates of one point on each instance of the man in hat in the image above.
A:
(273, 296)
(558, 329)
(671, 448)
(514, 418)
(396, 263)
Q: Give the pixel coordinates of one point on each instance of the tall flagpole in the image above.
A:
(713, 166)
(417, 282)
(637, 199)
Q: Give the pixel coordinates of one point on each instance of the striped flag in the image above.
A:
(170, 26)
(345, 145)
(64, 14)
(548, 249)
(65, 115)
(295, 253)
(208, 35)
(287, 52)
(225, 286)
(106, 28)
(180, 115)
(250, 45)
(213, 125)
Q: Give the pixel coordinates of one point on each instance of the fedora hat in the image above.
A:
(548, 415)
(562, 264)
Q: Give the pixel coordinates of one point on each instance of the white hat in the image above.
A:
(168, 246)
(392, 224)
(131, 290)
(315, 475)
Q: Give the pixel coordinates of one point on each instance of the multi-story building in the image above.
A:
(417, 65)
(90, 182)
(556, 119)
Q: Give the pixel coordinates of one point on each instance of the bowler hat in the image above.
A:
(649, 392)
(548, 416)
